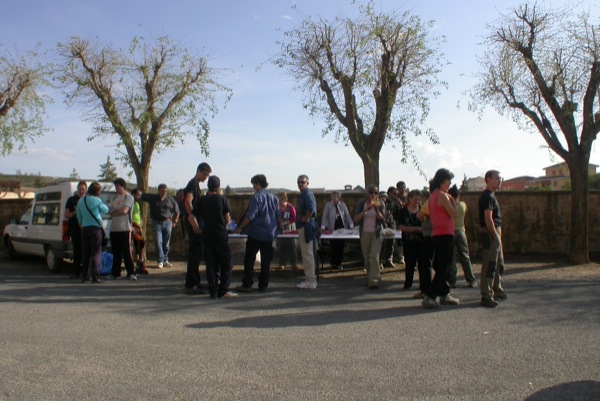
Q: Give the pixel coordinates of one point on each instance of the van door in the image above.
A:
(20, 231)
(46, 225)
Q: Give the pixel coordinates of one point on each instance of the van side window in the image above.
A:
(48, 196)
(46, 214)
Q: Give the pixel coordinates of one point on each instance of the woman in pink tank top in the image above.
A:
(442, 211)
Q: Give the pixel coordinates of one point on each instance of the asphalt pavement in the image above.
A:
(146, 340)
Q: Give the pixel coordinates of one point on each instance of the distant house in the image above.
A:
(521, 183)
(475, 184)
(556, 177)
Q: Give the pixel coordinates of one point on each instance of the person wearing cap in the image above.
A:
(213, 209)
(191, 194)
(120, 209)
(261, 220)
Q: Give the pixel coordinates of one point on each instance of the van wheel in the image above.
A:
(52, 262)
(10, 248)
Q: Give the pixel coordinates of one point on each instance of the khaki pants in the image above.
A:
(371, 246)
(492, 265)
(308, 257)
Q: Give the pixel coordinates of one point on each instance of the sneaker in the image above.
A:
(168, 264)
(305, 285)
(229, 294)
(449, 300)
(430, 303)
(472, 284)
(500, 296)
(160, 265)
(488, 303)
(195, 290)
(388, 263)
(241, 288)
(419, 295)
(132, 277)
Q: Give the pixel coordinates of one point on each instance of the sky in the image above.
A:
(264, 129)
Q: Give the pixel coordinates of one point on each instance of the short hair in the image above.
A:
(490, 173)
(82, 182)
(135, 191)
(336, 193)
(121, 182)
(204, 167)
(260, 179)
(162, 186)
(400, 184)
(440, 176)
(94, 189)
(303, 177)
(414, 192)
(392, 190)
(283, 195)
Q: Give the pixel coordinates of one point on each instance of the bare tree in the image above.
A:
(542, 67)
(371, 78)
(22, 104)
(149, 97)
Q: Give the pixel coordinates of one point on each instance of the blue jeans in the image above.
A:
(162, 239)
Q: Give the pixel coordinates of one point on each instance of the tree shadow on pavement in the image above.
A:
(587, 390)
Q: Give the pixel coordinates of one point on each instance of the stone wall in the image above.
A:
(533, 222)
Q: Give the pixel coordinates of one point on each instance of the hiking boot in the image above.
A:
(241, 288)
(500, 296)
(449, 300)
(430, 303)
(488, 303)
(195, 290)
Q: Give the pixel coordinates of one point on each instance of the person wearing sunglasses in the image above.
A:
(369, 215)
(307, 232)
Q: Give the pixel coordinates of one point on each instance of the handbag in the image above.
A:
(104, 237)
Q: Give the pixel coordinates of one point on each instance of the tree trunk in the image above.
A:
(371, 170)
(579, 245)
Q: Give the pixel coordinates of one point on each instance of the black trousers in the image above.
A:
(120, 242)
(196, 246)
(443, 255)
(253, 246)
(77, 247)
(219, 264)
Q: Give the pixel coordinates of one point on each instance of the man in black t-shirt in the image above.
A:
(213, 209)
(74, 229)
(191, 194)
(490, 237)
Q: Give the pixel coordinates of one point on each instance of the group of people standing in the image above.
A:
(433, 234)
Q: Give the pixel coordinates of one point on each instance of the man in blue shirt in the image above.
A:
(261, 219)
(307, 232)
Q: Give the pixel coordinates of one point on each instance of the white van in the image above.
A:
(42, 229)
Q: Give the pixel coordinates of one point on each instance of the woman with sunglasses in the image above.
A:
(369, 215)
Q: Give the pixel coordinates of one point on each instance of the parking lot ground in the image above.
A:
(146, 340)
